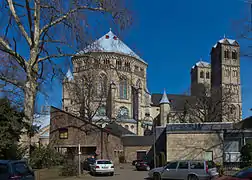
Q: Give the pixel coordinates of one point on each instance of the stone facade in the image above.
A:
(113, 74)
(225, 60)
(130, 152)
(194, 145)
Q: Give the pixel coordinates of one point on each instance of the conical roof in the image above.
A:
(110, 43)
(164, 99)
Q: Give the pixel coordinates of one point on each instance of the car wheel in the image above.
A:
(156, 176)
(193, 177)
(111, 174)
(147, 168)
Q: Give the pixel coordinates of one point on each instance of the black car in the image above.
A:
(88, 162)
(15, 170)
(136, 161)
(143, 166)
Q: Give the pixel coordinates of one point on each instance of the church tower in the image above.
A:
(201, 79)
(225, 79)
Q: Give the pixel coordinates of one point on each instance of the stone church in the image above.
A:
(113, 80)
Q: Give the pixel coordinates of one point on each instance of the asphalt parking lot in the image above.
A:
(125, 172)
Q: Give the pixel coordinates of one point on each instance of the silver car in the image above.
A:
(102, 166)
(187, 170)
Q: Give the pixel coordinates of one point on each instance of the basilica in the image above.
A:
(108, 83)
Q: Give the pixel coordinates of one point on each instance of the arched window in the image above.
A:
(101, 111)
(132, 127)
(126, 126)
(201, 74)
(123, 88)
(232, 110)
(234, 55)
(123, 113)
(207, 75)
(226, 54)
(138, 83)
(102, 86)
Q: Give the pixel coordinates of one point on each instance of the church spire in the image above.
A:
(164, 99)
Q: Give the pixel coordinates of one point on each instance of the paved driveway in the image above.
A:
(127, 172)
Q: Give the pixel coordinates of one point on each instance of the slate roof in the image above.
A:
(118, 129)
(244, 124)
(110, 43)
(230, 41)
(202, 64)
(137, 140)
(177, 101)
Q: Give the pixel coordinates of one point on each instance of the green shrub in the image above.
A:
(45, 157)
(69, 168)
(220, 169)
(246, 155)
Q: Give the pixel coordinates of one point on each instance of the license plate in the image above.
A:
(105, 167)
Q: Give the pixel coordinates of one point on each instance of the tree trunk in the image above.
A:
(29, 102)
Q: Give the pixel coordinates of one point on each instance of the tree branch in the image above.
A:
(4, 46)
(21, 27)
(13, 82)
(65, 16)
(54, 56)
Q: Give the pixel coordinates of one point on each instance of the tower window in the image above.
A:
(235, 73)
(106, 61)
(118, 63)
(123, 88)
(127, 64)
(208, 75)
(234, 55)
(201, 74)
(226, 54)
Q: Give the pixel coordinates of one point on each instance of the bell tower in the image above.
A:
(225, 67)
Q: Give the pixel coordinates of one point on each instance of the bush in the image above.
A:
(220, 169)
(45, 157)
(69, 168)
(246, 155)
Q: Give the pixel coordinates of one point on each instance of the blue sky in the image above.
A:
(173, 35)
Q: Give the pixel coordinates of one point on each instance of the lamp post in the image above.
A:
(154, 137)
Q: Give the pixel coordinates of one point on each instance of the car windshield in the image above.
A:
(104, 162)
(21, 168)
(243, 173)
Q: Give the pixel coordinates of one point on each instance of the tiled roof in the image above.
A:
(202, 64)
(177, 101)
(230, 41)
(110, 43)
(117, 129)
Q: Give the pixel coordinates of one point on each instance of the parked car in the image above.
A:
(143, 166)
(136, 161)
(102, 166)
(187, 170)
(15, 170)
(244, 174)
(88, 162)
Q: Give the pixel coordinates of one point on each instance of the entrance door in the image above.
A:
(141, 155)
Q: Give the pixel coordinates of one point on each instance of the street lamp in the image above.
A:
(154, 137)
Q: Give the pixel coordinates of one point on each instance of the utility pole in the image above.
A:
(154, 138)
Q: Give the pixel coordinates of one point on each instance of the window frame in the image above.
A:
(63, 131)
(202, 74)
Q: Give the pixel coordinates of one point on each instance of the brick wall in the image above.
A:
(83, 133)
(194, 145)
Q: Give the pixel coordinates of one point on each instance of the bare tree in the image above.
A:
(36, 32)
(206, 107)
(88, 92)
